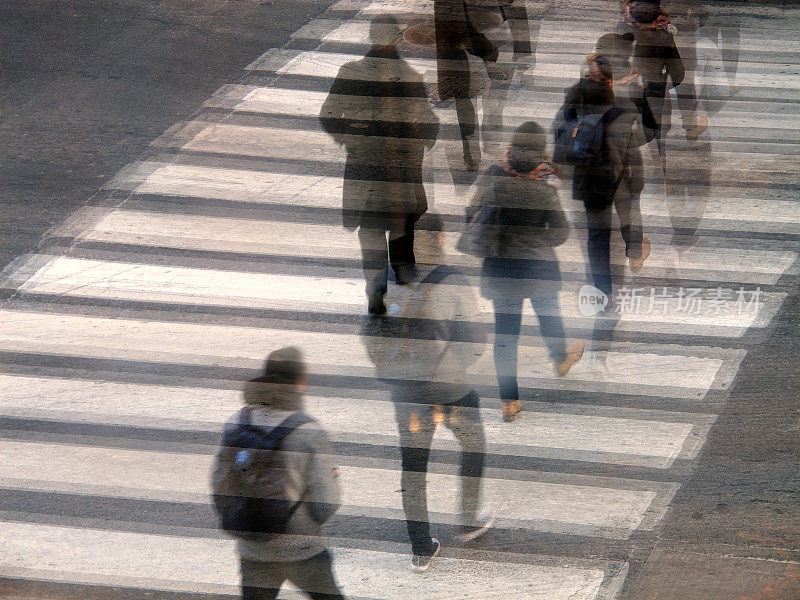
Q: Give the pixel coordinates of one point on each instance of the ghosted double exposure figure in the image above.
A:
(689, 167)
(275, 485)
(655, 58)
(519, 262)
(423, 348)
(379, 110)
(614, 178)
(721, 25)
(460, 77)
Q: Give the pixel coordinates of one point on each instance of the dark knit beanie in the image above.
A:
(614, 44)
(530, 137)
(645, 12)
(527, 147)
(284, 366)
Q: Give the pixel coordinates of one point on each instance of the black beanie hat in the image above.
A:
(529, 137)
(615, 44)
(645, 12)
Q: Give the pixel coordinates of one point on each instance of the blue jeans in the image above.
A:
(507, 325)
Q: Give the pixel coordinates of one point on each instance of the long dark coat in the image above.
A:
(378, 109)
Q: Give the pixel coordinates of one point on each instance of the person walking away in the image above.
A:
(612, 178)
(457, 37)
(275, 485)
(685, 15)
(721, 25)
(423, 348)
(692, 166)
(656, 59)
(524, 264)
(379, 110)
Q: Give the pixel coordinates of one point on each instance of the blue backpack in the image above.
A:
(580, 140)
(250, 477)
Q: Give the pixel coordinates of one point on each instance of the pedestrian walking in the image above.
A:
(458, 37)
(275, 485)
(610, 174)
(522, 263)
(423, 348)
(655, 58)
(379, 111)
(722, 26)
(691, 162)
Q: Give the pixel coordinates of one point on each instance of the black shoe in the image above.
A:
(420, 564)
(376, 305)
(405, 275)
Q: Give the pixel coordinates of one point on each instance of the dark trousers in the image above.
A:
(377, 254)
(467, 117)
(263, 580)
(599, 222)
(417, 422)
(507, 324)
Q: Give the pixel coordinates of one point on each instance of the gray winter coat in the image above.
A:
(312, 476)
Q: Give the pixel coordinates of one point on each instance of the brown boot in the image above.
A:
(511, 410)
(636, 263)
(574, 353)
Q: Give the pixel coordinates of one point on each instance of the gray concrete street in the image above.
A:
(170, 212)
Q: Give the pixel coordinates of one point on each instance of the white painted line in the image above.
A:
(305, 103)
(313, 63)
(547, 506)
(326, 192)
(208, 565)
(266, 142)
(671, 375)
(592, 438)
(282, 144)
(332, 241)
(654, 313)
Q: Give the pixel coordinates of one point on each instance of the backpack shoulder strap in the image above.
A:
(270, 438)
(287, 426)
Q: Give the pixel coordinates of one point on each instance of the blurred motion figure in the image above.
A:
(378, 109)
(423, 348)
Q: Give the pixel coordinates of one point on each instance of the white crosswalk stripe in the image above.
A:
(199, 564)
(225, 243)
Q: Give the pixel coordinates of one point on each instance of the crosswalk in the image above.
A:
(126, 337)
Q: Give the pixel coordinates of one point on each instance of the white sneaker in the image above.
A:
(420, 564)
(473, 532)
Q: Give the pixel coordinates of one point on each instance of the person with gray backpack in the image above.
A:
(422, 348)
(275, 484)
